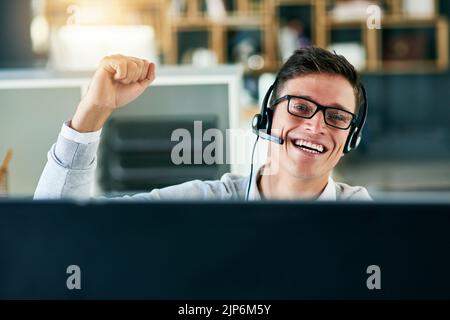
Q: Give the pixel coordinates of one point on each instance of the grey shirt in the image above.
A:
(69, 173)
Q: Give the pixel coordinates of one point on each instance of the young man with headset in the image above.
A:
(313, 114)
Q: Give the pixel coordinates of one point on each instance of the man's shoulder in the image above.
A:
(230, 186)
(234, 184)
(347, 192)
(235, 181)
(233, 178)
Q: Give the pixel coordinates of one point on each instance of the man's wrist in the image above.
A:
(89, 118)
(84, 138)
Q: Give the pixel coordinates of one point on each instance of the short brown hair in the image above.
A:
(312, 60)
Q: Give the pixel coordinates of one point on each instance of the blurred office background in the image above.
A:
(399, 46)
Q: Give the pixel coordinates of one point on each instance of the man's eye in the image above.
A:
(336, 117)
(301, 107)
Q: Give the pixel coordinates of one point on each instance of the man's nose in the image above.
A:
(316, 124)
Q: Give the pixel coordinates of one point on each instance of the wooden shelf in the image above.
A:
(372, 39)
(264, 18)
(246, 17)
(410, 21)
(294, 2)
(230, 21)
(397, 65)
(351, 23)
(243, 21)
(186, 23)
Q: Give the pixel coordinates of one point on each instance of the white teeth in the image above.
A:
(310, 151)
(308, 144)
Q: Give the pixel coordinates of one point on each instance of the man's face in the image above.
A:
(327, 90)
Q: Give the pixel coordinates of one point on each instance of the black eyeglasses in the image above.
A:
(304, 108)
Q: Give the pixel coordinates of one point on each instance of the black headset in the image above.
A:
(262, 123)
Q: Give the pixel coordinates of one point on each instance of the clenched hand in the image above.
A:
(117, 81)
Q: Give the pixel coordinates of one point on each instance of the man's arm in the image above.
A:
(70, 168)
(118, 81)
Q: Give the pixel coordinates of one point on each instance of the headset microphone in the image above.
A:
(264, 135)
(269, 137)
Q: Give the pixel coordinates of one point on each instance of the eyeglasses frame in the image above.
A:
(319, 107)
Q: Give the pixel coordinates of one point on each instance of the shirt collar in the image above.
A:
(328, 194)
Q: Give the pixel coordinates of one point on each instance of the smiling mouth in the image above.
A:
(309, 146)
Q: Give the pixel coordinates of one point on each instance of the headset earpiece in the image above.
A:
(352, 141)
(347, 145)
(256, 122)
(356, 139)
(261, 120)
(355, 134)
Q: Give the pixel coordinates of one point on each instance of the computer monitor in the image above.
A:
(225, 250)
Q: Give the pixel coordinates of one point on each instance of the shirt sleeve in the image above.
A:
(70, 167)
(71, 164)
(79, 137)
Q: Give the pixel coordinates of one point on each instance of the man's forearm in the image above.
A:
(89, 118)
(70, 169)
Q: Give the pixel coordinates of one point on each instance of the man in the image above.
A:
(315, 101)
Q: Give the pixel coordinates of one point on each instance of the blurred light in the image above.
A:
(86, 15)
(82, 47)
(255, 62)
(422, 8)
(354, 52)
(106, 13)
(39, 30)
(204, 58)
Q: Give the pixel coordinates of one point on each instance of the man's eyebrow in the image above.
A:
(334, 105)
